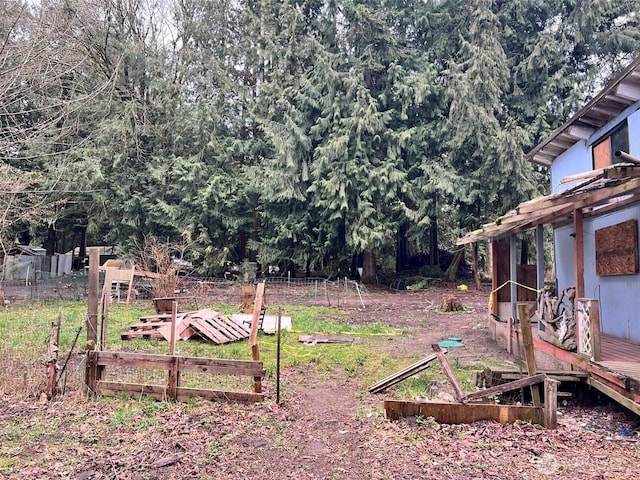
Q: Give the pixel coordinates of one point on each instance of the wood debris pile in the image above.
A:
(208, 324)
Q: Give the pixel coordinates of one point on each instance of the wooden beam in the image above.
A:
(551, 403)
(214, 366)
(540, 257)
(398, 377)
(584, 198)
(455, 413)
(174, 379)
(92, 308)
(505, 387)
(253, 338)
(172, 331)
(448, 372)
(578, 227)
(583, 176)
(580, 132)
(628, 91)
(527, 344)
(494, 277)
(618, 397)
(513, 274)
(182, 394)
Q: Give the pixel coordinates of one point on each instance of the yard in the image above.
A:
(326, 426)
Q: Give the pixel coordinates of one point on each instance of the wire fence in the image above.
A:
(341, 292)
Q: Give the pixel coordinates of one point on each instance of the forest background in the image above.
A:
(318, 135)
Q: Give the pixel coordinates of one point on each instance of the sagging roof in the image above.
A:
(600, 190)
(622, 92)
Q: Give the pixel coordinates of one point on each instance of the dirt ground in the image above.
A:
(326, 427)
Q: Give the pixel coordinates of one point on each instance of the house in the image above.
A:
(593, 212)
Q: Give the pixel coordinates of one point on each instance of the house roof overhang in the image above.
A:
(603, 190)
(622, 92)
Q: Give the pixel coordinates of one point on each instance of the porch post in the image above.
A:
(540, 256)
(540, 264)
(513, 275)
(579, 251)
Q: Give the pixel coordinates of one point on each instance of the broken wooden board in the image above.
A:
(326, 339)
(457, 387)
(455, 413)
(505, 387)
(398, 377)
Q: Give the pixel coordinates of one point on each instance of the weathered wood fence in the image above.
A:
(98, 361)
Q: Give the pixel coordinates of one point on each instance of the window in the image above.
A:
(620, 141)
(603, 151)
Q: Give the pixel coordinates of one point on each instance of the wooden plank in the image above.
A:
(459, 413)
(253, 338)
(617, 396)
(134, 359)
(172, 329)
(448, 371)
(208, 331)
(257, 309)
(505, 387)
(578, 228)
(240, 330)
(527, 344)
(173, 379)
(560, 375)
(181, 327)
(183, 394)
(92, 371)
(221, 367)
(222, 327)
(551, 403)
(398, 377)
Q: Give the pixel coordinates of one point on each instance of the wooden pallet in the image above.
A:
(216, 327)
(208, 324)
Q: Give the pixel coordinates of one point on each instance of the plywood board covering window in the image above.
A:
(602, 154)
(617, 249)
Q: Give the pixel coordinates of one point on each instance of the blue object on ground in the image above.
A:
(451, 342)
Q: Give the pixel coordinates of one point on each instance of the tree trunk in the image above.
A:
(452, 271)
(434, 253)
(401, 247)
(51, 241)
(369, 268)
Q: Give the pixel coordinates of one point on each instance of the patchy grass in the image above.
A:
(26, 327)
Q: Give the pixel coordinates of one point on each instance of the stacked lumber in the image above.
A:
(207, 324)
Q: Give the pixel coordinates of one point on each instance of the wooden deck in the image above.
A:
(620, 356)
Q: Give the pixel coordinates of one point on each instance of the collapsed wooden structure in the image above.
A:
(467, 410)
(207, 324)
